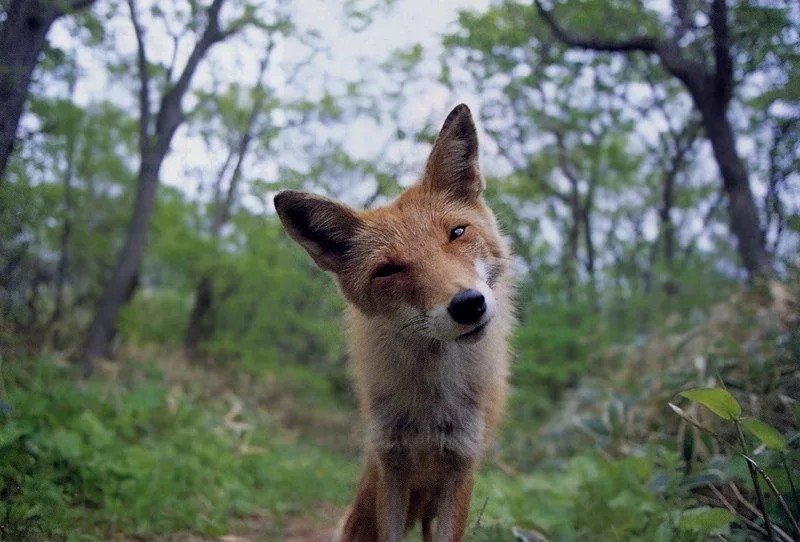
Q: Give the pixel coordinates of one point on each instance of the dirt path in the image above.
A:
(316, 526)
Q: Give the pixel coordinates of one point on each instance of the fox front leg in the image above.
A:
(393, 495)
(452, 510)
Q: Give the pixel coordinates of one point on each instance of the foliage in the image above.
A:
(725, 405)
(718, 400)
(134, 455)
(589, 497)
(623, 405)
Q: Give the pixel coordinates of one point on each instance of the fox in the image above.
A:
(428, 288)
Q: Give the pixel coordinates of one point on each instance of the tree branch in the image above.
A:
(177, 37)
(638, 43)
(688, 71)
(224, 210)
(684, 20)
(563, 163)
(216, 187)
(170, 114)
(723, 64)
(77, 5)
(144, 79)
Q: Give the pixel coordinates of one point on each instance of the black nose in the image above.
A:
(467, 306)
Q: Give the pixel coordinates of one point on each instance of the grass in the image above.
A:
(161, 449)
(138, 455)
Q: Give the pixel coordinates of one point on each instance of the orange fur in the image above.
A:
(431, 386)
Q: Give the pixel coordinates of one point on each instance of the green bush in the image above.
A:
(589, 497)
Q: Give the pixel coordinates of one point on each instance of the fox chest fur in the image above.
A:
(418, 397)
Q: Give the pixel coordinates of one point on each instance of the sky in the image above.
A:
(400, 26)
(395, 25)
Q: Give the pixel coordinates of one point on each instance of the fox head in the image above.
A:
(428, 262)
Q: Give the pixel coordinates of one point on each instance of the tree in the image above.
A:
(155, 136)
(673, 152)
(246, 129)
(601, 185)
(66, 228)
(711, 89)
(23, 33)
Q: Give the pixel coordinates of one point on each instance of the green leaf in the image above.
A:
(705, 519)
(767, 434)
(717, 400)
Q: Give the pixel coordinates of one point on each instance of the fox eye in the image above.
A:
(388, 270)
(457, 232)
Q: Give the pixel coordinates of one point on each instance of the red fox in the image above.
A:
(429, 305)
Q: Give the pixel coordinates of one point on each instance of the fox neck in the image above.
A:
(430, 383)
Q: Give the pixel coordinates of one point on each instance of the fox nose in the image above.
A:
(467, 306)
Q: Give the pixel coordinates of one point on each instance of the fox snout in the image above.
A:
(471, 311)
(466, 316)
(467, 306)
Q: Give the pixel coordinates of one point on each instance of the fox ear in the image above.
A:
(453, 163)
(322, 226)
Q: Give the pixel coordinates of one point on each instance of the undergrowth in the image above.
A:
(133, 455)
(613, 462)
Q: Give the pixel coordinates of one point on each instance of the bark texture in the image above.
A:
(23, 35)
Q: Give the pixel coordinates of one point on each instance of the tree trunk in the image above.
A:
(742, 213)
(153, 148)
(784, 134)
(199, 328)
(586, 219)
(22, 37)
(66, 231)
(123, 279)
(571, 260)
(665, 216)
(667, 228)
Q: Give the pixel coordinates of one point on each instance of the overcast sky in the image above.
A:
(401, 26)
(348, 49)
